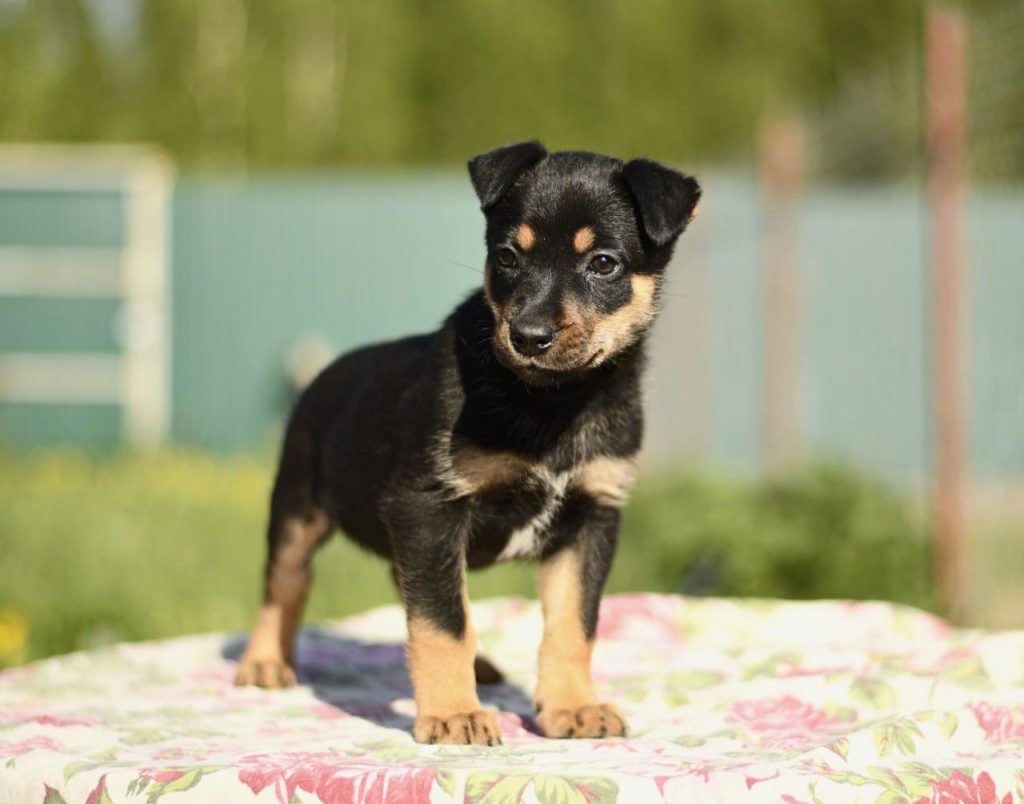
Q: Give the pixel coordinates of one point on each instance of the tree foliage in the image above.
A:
(303, 82)
(317, 82)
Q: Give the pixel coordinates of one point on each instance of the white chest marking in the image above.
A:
(525, 541)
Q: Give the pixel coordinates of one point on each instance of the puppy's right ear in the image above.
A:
(494, 172)
(665, 199)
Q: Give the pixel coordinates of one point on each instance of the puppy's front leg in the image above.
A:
(430, 564)
(571, 582)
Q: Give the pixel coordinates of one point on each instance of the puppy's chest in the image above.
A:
(518, 504)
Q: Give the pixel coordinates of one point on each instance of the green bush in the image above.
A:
(822, 532)
(136, 547)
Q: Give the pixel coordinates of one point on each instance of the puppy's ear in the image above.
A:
(495, 171)
(666, 199)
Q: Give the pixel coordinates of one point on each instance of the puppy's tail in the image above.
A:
(486, 673)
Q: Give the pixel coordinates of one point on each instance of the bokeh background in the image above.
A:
(201, 201)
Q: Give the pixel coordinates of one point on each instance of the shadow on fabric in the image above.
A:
(368, 679)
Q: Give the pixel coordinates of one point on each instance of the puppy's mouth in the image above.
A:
(560, 364)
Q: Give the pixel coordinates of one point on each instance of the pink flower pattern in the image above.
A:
(1000, 723)
(784, 721)
(327, 779)
(960, 788)
(727, 700)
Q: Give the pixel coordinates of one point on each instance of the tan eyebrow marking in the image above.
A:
(583, 239)
(525, 237)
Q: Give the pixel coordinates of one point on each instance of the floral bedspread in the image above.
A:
(727, 700)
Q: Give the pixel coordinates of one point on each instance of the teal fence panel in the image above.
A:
(56, 218)
(66, 220)
(261, 264)
(865, 350)
(996, 346)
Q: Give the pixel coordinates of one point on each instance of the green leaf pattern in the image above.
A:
(726, 700)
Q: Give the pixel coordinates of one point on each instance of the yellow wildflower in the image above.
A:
(13, 637)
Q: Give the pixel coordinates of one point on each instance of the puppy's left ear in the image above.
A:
(666, 199)
(494, 172)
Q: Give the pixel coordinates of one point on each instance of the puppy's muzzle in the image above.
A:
(532, 338)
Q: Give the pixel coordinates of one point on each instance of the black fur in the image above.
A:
(666, 204)
(494, 172)
(371, 441)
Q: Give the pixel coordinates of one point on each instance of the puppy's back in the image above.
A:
(349, 427)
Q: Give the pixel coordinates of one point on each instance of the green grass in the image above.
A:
(996, 550)
(136, 547)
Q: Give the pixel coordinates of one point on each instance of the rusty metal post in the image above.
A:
(781, 159)
(946, 128)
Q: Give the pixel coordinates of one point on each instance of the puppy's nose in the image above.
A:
(531, 338)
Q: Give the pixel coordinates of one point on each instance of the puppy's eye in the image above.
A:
(506, 258)
(603, 265)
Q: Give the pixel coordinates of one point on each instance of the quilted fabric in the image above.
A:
(727, 700)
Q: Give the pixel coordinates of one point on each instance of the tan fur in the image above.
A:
(583, 239)
(575, 331)
(586, 332)
(587, 335)
(563, 666)
(268, 660)
(525, 237)
(477, 470)
(565, 700)
(442, 671)
(608, 479)
(615, 331)
(264, 664)
(572, 317)
(591, 720)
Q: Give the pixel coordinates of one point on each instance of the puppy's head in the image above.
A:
(577, 244)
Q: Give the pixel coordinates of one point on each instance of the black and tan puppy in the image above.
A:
(509, 433)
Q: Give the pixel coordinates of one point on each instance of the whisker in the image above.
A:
(464, 265)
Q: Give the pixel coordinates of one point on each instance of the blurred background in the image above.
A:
(202, 201)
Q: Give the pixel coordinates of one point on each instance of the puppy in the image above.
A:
(511, 432)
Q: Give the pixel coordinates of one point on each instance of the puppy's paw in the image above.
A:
(472, 728)
(269, 673)
(590, 720)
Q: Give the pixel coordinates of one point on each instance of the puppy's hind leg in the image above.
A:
(268, 660)
(297, 528)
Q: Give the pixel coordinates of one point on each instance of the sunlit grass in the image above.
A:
(94, 550)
